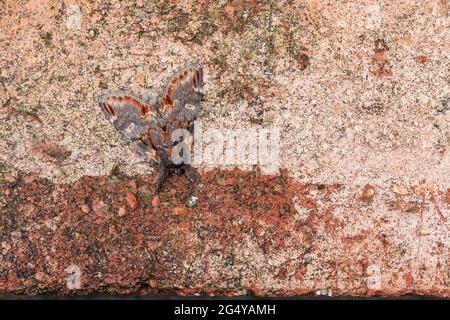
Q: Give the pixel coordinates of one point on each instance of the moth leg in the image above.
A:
(190, 173)
(161, 177)
(164, 169)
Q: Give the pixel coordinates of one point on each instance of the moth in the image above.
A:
(158, 125)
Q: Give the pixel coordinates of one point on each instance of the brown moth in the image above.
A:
(152, 124)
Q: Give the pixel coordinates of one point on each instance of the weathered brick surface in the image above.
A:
(359, 90)
(246, 234)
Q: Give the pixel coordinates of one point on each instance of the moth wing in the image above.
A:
(183, 93)
(134, 118)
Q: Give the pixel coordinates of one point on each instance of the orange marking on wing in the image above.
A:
(166, 104)
(153, 155)
(168, 98)
(144, 109)
(109, 109)
(196, 78)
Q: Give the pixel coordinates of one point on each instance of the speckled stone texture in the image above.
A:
(360, 91)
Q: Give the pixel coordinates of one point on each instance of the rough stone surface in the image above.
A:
(247, 234)
(359, 89)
